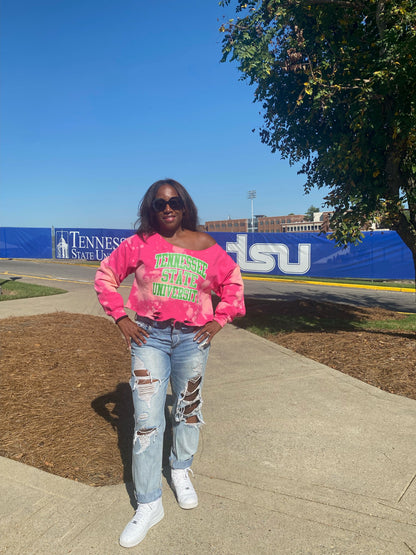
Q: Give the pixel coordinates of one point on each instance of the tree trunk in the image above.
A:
(408, 236)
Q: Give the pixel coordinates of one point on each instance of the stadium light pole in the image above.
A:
(252, 196)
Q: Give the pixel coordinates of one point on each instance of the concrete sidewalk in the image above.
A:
(296, 458)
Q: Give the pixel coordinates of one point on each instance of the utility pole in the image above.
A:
(251, 196)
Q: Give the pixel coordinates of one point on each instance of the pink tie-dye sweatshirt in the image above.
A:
(171, 282)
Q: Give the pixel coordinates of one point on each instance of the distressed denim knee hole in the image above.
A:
(144, 437)
(145, 385)
(188, 409)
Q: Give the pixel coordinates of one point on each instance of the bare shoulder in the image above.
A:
(196, 240)
(204, 240)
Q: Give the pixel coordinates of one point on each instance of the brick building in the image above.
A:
(275, 224)
(292, 223)
(230, 226)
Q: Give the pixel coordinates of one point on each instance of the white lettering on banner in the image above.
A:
(71, 244)
(94, 241)
(263, 256)
(79, 255)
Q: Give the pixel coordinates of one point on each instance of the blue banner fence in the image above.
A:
(25, 242)
(381, 255)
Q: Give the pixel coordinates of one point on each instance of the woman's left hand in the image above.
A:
(207, 332)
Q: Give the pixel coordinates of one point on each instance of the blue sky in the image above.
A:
(100, 98)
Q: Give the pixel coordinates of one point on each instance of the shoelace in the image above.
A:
(183, 479)
(141, 510)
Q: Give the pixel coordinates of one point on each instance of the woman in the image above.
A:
(176, 268)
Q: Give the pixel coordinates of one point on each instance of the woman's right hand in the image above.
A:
(132, 331)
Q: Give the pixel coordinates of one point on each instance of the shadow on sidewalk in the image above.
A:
(121, 418)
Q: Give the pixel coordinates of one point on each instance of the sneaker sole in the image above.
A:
(157, 518)
(188, 505)
(182, 504)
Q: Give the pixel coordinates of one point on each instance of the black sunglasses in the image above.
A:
(159, 204)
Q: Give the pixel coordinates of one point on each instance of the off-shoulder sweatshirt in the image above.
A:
(171, 282)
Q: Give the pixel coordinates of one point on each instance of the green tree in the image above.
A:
(310, 212)
(337, 81)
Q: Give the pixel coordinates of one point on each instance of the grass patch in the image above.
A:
(12, 289)
(407, 323)
(270, 324)
(275, 323)
(286, 324)
(266, 318)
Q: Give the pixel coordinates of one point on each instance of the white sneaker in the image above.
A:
(185, 493)
(147, 515)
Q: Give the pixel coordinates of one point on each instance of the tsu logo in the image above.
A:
(263, 256)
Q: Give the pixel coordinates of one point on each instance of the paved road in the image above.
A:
(62, 275)
(390, 300)
(70, 276)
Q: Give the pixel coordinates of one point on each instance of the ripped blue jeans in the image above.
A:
(170, 353)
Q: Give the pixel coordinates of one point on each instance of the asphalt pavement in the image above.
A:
(296, 458)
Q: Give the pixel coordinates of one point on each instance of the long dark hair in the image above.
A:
(147, 220)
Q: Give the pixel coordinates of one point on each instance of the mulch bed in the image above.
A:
(65, 397)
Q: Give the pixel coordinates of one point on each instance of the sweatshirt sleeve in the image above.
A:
(112, 271)
(230, 288)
